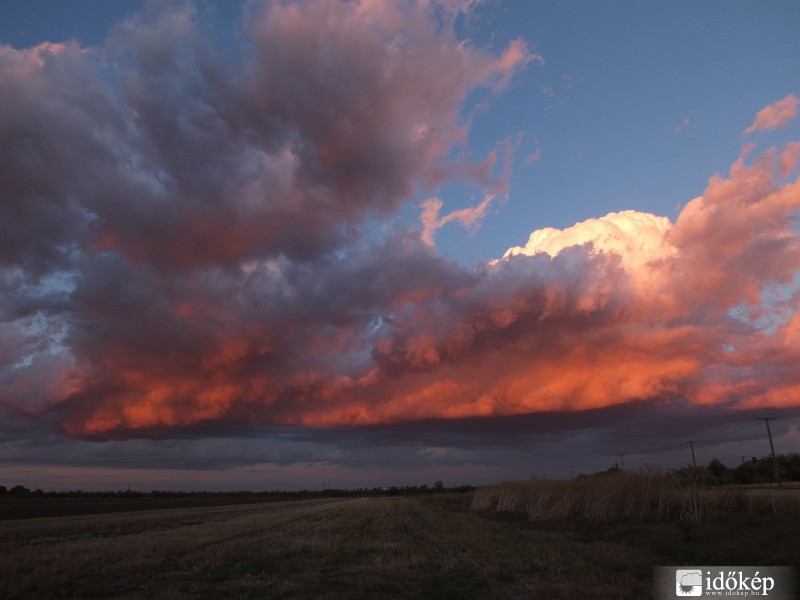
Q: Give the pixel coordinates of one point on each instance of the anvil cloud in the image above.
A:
(186, 240)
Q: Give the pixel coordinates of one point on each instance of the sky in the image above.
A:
(351, 243)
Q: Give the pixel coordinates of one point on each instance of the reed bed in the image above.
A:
(629, 496)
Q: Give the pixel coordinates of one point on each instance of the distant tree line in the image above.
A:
(751, 471)
(406, 490)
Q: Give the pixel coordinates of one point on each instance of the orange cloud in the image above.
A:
(613, 310)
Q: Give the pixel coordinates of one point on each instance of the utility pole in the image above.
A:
(572, 471)
(772, 447)
(621, 462)
(694, 462)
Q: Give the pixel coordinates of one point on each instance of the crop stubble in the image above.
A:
(328, 548)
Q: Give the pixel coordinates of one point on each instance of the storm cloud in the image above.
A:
(187, 244)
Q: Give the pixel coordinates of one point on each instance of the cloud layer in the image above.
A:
(184, 242)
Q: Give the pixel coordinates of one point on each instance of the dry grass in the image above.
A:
(630, 496)
(347, 548)
(394, 547)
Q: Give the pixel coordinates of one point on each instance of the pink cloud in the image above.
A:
(775, 116)
(789, 159)
(467, 217)
(516, 56)
(739, 235)
(192, 251)
(533, 157)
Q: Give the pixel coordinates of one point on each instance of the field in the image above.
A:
(383, 547)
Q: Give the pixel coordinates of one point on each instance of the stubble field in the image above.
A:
(387, 547)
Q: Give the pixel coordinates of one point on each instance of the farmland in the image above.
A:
(379, 547)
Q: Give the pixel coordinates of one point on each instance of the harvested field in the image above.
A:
(389, 547)
(345, 548)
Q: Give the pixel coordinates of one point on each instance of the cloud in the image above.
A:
(196, 159)
(468, 217)
(636, 237)
(775, 116)
(560, 88)
(168, 203)
(515, 56)
(789, 159)
(479, 450)
(187, 246)
(55, 119)
(613, 310)
(533, 157)
(685, 124)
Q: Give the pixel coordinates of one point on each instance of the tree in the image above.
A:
(720, 474)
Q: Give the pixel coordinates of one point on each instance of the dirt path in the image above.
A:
(332, 548)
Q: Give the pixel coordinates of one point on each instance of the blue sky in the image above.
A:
(232, 200)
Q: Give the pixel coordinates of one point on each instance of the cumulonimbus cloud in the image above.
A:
(183, 242)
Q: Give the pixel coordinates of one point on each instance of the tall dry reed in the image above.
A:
(612, 496)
